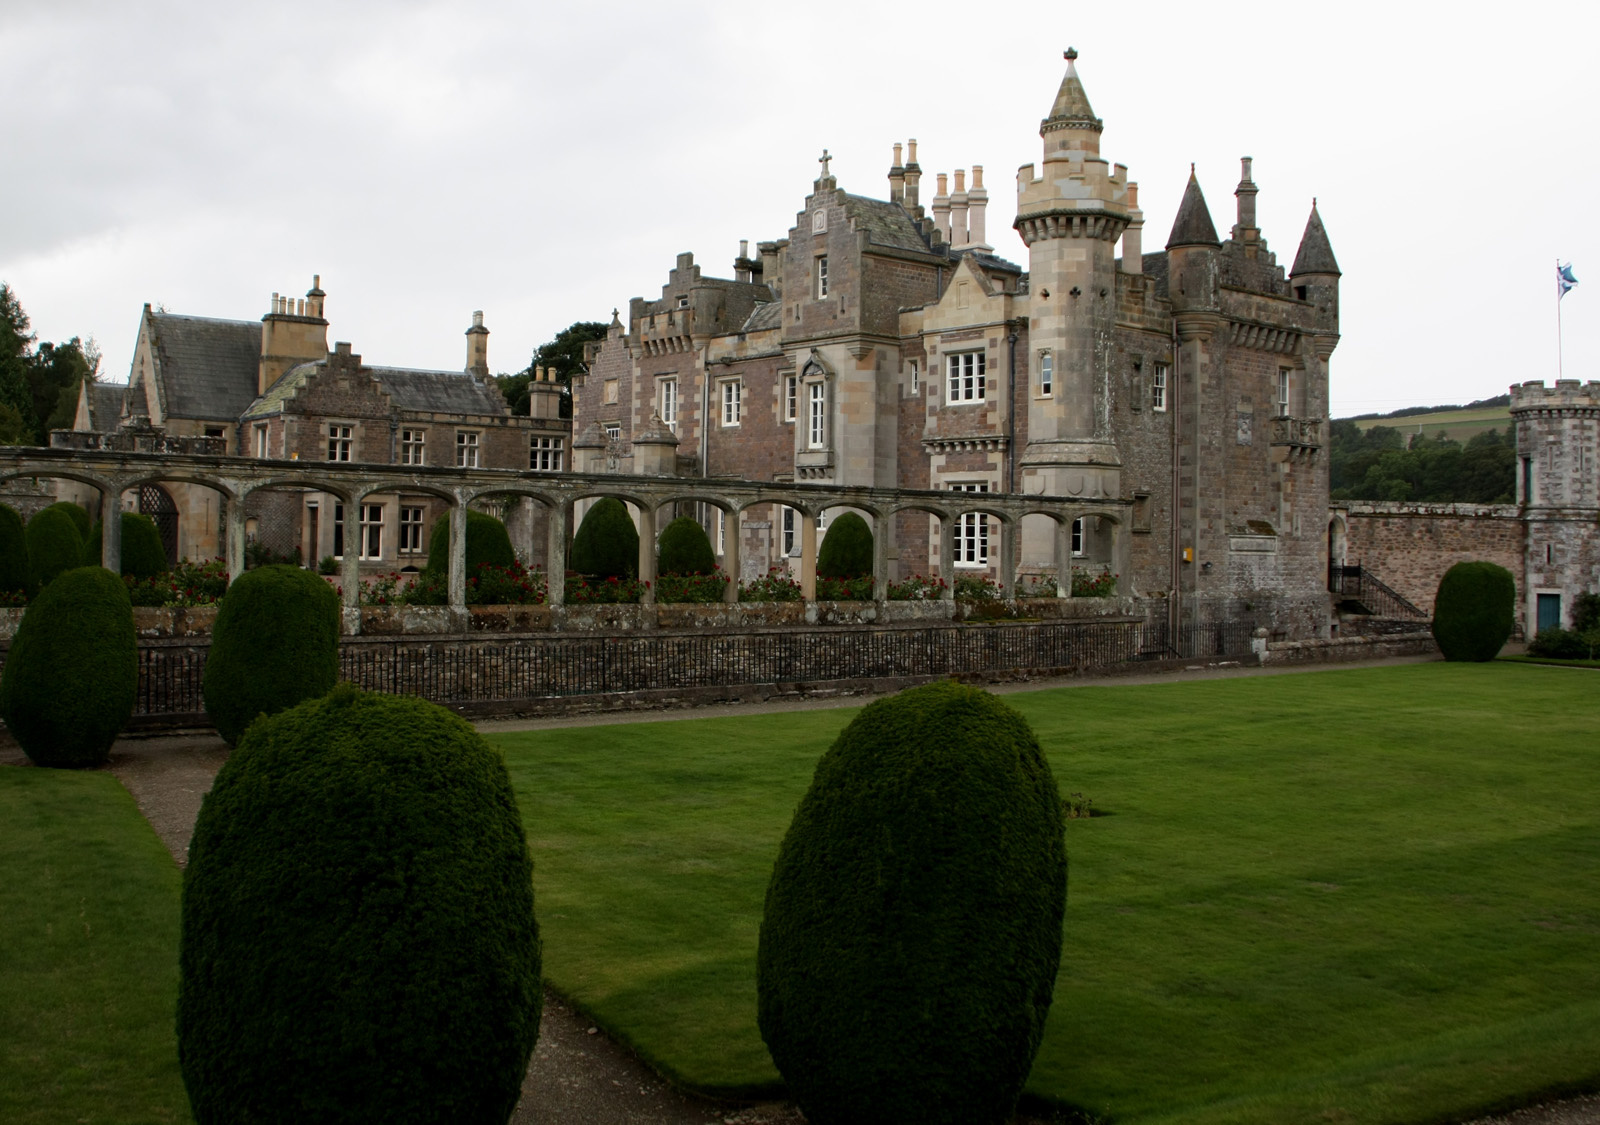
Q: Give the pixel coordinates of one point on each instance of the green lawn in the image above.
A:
(88, 955)
(1366, 895)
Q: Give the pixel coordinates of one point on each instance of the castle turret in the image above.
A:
(1192, 249)
(293, 332)
(1315, 274)
(1071, 216)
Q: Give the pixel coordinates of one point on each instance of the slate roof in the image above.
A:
(439, 392)
(1316, 253)
(1193, 226)
(208, 368)
(765, 316)
(885, 223)
(105, 406)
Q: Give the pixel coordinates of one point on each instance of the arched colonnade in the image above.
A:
(235, 479)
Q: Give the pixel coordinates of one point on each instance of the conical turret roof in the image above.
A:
(1193, 226)
(1315, 254)
(1071, 109)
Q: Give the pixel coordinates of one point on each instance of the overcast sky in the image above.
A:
(546, 162)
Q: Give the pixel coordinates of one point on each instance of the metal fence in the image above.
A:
(504, 670)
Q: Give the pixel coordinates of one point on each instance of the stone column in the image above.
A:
(1122, 554)
(880, 562)
(456, 582)
(947, 556)
(1064, 558)
(350, 567)
(1009, 531)
(233, 551)
(111, 529)
(808, 555)
(647, 552)
(730, 555)
(556, 555)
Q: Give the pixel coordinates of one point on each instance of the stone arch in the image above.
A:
(1338, 541)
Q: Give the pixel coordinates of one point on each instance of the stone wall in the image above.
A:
(1410, 546)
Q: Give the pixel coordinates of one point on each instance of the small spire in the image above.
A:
(1071, 109)
(1193, 226)
(1316, 252)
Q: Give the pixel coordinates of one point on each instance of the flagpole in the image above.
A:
(1560, 369)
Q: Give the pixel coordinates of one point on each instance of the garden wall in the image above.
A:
(1410, 546)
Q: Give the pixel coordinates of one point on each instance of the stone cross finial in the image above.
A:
(823, 160)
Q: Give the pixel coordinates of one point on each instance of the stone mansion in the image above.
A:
(880, 342)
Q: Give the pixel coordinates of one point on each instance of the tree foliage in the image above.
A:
(72, 674)
(563, 355)
(1378, 465)
(912, 929)
(14, 568)
(684, 548)
(607, 543)
(38, 389)
(846, 550)
(358, 935)
(275, 644)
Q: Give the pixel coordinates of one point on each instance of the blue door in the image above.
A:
(1549, 612)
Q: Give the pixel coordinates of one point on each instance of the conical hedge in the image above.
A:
(606, 544)
(912, 931)
(684, 548)
(54, 545)
(143, 553)
(80, 519)
(488, 542)
(358, 937)
(275, 644)
(73, 671)
(1474, 611)
(846, 550)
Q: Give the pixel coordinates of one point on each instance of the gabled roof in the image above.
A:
(105, 405)
(207, 368)
(1193, 226)
(763, 317)
(1316, 253)
(437, 392)
(886, 224)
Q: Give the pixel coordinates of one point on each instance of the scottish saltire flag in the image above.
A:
(1564, 280)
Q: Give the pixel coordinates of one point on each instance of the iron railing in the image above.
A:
(1361, 591)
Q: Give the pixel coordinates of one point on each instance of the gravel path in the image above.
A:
(579, 1076)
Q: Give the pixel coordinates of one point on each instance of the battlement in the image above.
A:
(1534, 395)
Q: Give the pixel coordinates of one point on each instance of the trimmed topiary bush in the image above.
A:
(80, 520)
(846, 550)
(358, 937)
(912, 930)
(54, 545)
(275, 643)
(487, 542)
(73, 671)
(143, 554)
(607, 543)
(684, 548)
(14, 569)
(1474, 611)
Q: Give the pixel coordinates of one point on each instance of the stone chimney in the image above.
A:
(293, 332)
(1133, 234)
(913, 178)
(977, 203)
(744, 267)
(478, 347)
(941, 206)
(958, 211)
(897, 179)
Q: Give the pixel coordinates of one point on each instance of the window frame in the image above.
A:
(972, 530)
(547, 448)
(613, 431)
(370, 524)
(263, 441)
(468, 449)
(816, 414)
(967, 376)
(1047, 373)
(413, 446)
(916, 378)
(667, 402)
(1285, 389)
(789, 531)
(1078, 546)
(791, 398)
(819, 275)
(341, 440)
(411, 519)
(1158, 388)
(732, 402)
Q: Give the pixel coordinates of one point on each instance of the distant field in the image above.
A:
(1459, 425)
